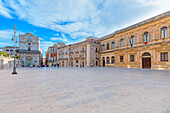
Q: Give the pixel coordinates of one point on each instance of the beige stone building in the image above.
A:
(82, 54)
(29, 50)
(142, 45)
(10, 50)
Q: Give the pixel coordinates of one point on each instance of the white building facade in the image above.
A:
(29, 50)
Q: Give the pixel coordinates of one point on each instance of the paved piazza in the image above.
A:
(85, 90)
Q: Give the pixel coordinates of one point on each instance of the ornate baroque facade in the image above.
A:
(29, 50)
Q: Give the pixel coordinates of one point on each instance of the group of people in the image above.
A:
(41, 66)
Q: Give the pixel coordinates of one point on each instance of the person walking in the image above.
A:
(57, 65)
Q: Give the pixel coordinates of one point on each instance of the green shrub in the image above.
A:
(17, 57)
(4, 54)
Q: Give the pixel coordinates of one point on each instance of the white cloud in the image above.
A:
(54, 38)
(4, 11)
(159, 6)
(8, 34)
(86, 17)
(45, 44)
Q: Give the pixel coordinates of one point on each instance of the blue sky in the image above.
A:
(71, 21)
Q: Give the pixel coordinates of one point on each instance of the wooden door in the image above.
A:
(146, 62)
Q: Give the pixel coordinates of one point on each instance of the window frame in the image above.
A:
(132, 39)
(121, 58)
(112, 59)
(121, 42)
(107, 60)
(164, 56)
(164, 32)
(146, 36)
(29, 48)
(113, 43)
(132, 59)
(108, 46)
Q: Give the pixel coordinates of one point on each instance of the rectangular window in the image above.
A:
(121, 43)
(164, 56)
(132, 58)
(107, 46)
(121, 58)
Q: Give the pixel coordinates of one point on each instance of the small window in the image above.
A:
(132, 58)
(29, 43)
(103, 47)
(132, 39)
(83, 49)
(146, 37)
(113, 45)
(96, 50)
(164, 56)
(7, 49)
(107, 46)
(29, 49)
(108, 61)
(113, 60)
(121, 58)
(164, 32)
(121, 42)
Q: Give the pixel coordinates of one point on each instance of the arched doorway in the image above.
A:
(146, 60)
(28, 61)
(103, 59)
(82, 63)
(77, 63)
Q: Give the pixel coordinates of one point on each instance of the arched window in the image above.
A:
(113, 60)
(103, 47)
(107, 46)
(132, 39)
(146, 37)
(121, 42)
(29, 49)
(164, 32)
(113, 45)
(107, 59)
(146, 54)
(96, 50)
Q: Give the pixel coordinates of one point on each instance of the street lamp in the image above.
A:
(15, 41)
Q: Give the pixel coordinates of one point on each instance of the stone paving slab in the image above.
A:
(85, 90)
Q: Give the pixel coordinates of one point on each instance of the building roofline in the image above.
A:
(9, 47)
(165, 14)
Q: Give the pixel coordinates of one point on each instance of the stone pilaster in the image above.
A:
(88, 55)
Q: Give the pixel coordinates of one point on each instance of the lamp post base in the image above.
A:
(14, 71)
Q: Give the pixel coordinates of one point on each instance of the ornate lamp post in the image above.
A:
(15, 41)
